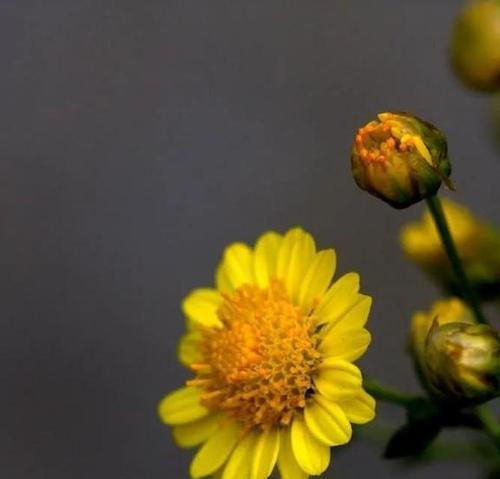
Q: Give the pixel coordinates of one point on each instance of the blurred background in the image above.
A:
(137, 140)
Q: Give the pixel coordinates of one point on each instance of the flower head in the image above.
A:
(271, 348)
(475, 51)
(400, 159)
(478, 245)
(463, 361)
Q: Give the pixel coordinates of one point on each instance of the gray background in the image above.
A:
(137, 139)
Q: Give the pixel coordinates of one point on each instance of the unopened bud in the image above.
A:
(400, 159)
(463, 362)
(475, 45)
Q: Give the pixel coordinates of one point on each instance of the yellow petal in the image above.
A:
(288, 466)
(200, 307)
(338, 299)
(214, 453)
(240, 462)
(338, 379)
(265, 454)
(221, 280)
(359, 409)
(312, 456)
(295, 255)
(182, 406)
(349, 344)
(317, 279)
(357, 316)
(354, 317)
(196, 432)
(266, 257)
(328, 422)
(237, 265)
(188, 349)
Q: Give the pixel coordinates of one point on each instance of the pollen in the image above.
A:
(379, 140)
(259, 366)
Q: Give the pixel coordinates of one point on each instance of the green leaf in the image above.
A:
(413, 438)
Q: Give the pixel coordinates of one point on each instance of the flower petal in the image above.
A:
(214, 453)
(317, 278)
(188, 349)
(239, 464)
(356, 316)
(312, 456)
(339, 298)
(182, 406)
(338, 379)
(359, 409)
(237, 265)
(222, 282)
(295, 255)
(328, 422)
(288, 466)
(196, 432)
(266, 257)
(349, 344)
(265, 454)
(200, 307)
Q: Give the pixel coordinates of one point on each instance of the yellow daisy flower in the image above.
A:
(477, 242)
(272, 347)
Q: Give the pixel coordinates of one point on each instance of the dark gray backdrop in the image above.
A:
(140, 137)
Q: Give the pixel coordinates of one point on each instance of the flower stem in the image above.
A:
(467, 290)
(490, 424)
(387, 393)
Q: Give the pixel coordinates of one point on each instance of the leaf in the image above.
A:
(413, 438)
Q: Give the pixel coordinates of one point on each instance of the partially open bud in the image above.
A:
(477, 242)
(463, 362)
(475, 45)
(444, 311)
(400, 159)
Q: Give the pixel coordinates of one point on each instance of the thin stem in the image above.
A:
(388, 393)
(467, 290)
(490, 424)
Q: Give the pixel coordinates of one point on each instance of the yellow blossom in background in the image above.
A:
(478, 245)
(272, 349)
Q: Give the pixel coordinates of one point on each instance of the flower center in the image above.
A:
(258, 367)
(378, 141)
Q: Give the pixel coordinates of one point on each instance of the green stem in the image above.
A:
(490, 424)
(467, 290)
(387, 393)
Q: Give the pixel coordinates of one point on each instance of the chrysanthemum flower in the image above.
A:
(272, 349)
(478, 244)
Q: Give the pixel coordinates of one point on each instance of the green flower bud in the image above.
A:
(463, 362)
(400, 159)
(475, 45)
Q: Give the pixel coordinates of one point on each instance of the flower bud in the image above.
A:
(477, 242)
(444, 311)
(463, 362)
(400, 159)
(475, 45)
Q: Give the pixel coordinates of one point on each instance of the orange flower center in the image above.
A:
(258, 367)
(379, 140)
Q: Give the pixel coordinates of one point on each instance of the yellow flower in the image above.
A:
(478, 245)
(474, 45)
(272, 348)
